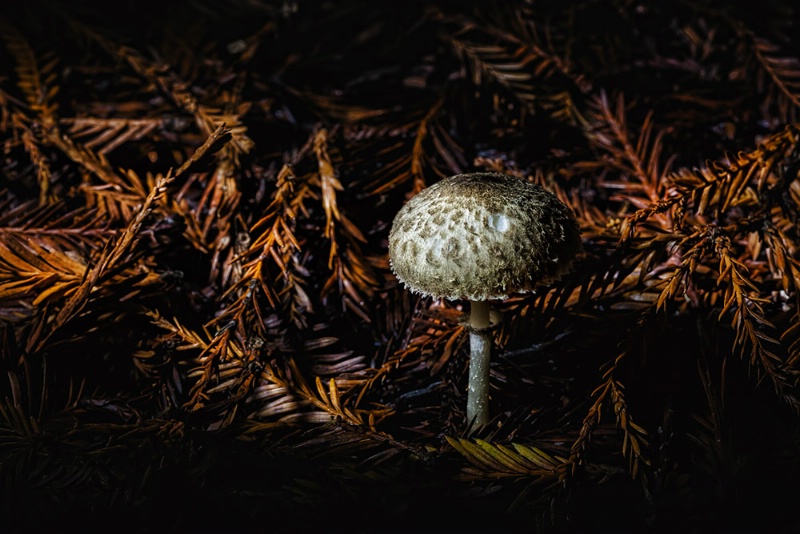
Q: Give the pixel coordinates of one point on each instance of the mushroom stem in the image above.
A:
(480, 343)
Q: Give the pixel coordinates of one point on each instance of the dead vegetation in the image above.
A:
(196, 306)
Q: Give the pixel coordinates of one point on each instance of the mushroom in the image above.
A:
(481, 237)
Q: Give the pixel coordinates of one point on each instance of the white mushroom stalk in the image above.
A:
(480, 350)
(481, 237)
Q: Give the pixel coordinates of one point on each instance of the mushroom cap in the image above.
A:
(482, 236)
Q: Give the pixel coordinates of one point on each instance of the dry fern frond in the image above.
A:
(36, 81)
(270, 389)
(109, 261)
(497, 461)
(411, 162)
(32, 144)
(37, 270)
(777, 76)
(107, 134)
(752, 329)
(518, 67)
(525, 30)
(635, 443)
(353, 276)
(638, 173)
(332, 107)
(435, 332)
(207, 117)
(274, 242)
(726, 191)
(39, 92)
(722, 185)
(79, 230)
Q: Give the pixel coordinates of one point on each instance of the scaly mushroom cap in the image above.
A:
(482, 236)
